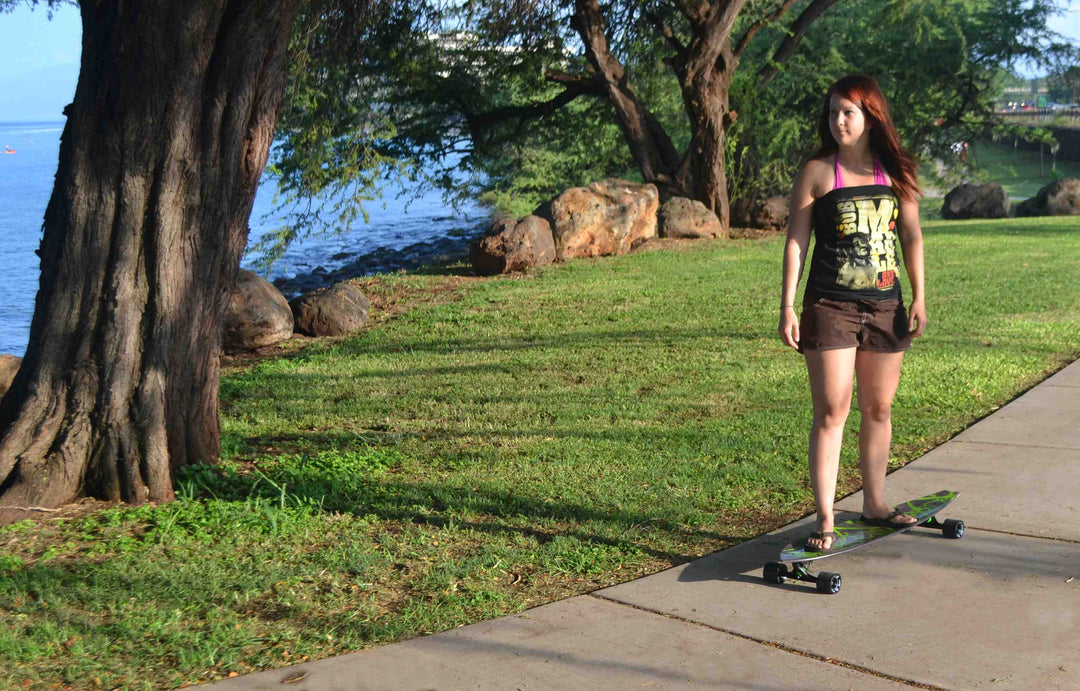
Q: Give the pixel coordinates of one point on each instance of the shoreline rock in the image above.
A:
(334, 311)
(257, 315)
(9, 366)
(513, 245)
(603, 218)
(680, 217)
(381, 261)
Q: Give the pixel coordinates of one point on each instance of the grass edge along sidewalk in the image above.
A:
(542, 436)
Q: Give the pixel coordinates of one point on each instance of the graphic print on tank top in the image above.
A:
(866, 242)
(855, 253)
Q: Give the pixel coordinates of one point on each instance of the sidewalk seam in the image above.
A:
(779, 646)
(1001, 443)
(1027, 535)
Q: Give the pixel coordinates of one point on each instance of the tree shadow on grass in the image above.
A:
(572, 341)
(444, 506)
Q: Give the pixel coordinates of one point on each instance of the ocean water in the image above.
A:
(26, 180)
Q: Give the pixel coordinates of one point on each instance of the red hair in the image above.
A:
(863, 91)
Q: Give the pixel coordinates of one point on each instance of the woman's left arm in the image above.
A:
(912, 244)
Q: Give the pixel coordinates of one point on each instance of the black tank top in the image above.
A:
(855, 251)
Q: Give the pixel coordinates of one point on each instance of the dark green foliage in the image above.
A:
(941, 64)
(1064, 84)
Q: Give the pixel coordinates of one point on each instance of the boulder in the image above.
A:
(1059, 198)
(334, 311)
(688, 218)
(9, 365)
(976, 201)
(756, 211)
(513, 245)
(608, 217)
(257, 316)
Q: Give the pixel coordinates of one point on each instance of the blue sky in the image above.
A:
(39, 62)
(39, 59)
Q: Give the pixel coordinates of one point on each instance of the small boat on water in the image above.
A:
(8, 150)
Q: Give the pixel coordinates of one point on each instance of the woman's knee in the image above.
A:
(876, 411)
(830, 416)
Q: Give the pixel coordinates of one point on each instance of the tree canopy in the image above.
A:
(499, 98)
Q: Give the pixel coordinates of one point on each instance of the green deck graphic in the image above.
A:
(854, 533)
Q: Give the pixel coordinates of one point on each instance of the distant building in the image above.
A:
(1032, 93)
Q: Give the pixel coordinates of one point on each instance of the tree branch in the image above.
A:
(576, 85)
(587, 82)
(795, 36)
(692, 9)
(759, 24)
(649, 144)
(721, 17)
(712, 39)
(666, 31)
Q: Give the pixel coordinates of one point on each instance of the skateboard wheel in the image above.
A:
(953, 529)
(829, 583)
(775, 572)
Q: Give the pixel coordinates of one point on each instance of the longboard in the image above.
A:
(853, 534)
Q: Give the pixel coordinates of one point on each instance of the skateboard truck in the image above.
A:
(826, 581)
(950, 527)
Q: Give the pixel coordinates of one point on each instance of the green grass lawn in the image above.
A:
(539, 437)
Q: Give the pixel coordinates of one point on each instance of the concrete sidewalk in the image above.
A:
(998, 609)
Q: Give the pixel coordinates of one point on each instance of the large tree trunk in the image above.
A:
(160, 158)
(706, 99)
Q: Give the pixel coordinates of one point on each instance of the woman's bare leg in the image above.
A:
(878, 375)
(830, 389)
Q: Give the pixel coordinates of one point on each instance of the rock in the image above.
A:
(1059, 198)
(383, 260)
(1028, 207)
(773, 213)
(608, 217)
(688, 218)
(257, 315)
(9, 365)
(297, 285)
(755, 211)
(976, 201)
(511, 245)
(335, 311)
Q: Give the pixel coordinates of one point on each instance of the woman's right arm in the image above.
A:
(798, 240)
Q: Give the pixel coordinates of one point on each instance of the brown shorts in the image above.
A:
(877, 325)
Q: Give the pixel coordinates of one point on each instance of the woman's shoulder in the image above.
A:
(819, 166)
(816, 176)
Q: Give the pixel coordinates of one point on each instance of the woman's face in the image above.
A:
(846, 121)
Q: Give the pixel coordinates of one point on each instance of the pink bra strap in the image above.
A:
(879, 176)
(838, 177)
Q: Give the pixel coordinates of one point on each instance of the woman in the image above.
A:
(859, 194)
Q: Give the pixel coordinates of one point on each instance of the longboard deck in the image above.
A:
(854, 534)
